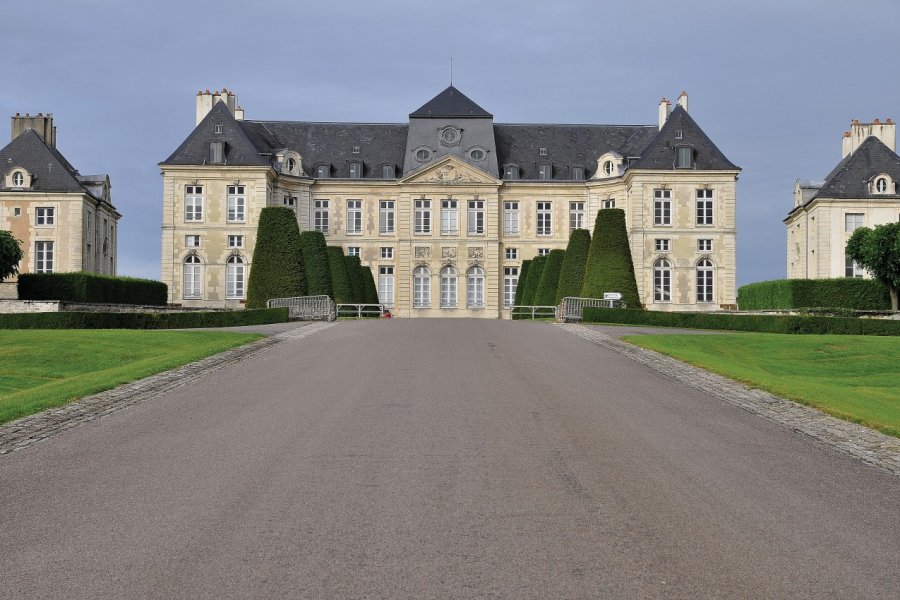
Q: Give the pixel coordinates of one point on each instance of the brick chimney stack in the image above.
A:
(42, 125)
(206, 100)
(885, 131)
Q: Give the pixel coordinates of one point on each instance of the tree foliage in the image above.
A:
(10, 255)
(340, 277)
(571, 276)
(371, 292)
(609, 267)
(315, 260)
(878, 251)
(546, 290)
(520, 286)
(355, 274)
(277, 269)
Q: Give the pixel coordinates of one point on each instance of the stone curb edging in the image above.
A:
(21, 433)
(864, 444)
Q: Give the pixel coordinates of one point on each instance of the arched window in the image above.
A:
(421, 287)
(193, 278)
(448, 287)
(18, 180)
(475, 287)
(881, 185)
(234, 278)
(662, 281)
(705, 281)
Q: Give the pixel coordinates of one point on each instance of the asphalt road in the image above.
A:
(442, 459)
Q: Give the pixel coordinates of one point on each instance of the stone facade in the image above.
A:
(444, 209)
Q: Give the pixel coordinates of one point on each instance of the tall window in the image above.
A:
(234, 278)
(545, 171)
(193, 278)
(355, 170)
(449, 217)
(386, 286)
(448, 287)
(475, 288)
(704, 207)
(662, 207)
(705, 278)
(422, 216)
(544, 218)
(684, 157)
(354, 216)
(386, 216)
(662, 281)
(475, 216)
(853, 221)
(510, 283)
(43, 257)
(236, 201)
(193, 203)
(44, 215)
(576, 216)
(421, 287)
(511, 217)
(320, 216)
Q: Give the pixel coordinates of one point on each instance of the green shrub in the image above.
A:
(172, 320)
(371, 292)
(277, 270)
(88, 287)
(845, 292)
(758, 323)
(520, 286)
(546, 290)
(571, 275)
(315, 262)
(357, 284)
(340, 277)
(609, 267)
(535, 272)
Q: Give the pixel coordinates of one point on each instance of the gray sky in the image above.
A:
(774, 83)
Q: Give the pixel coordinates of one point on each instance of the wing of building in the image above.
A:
(444, 208)
(65, 220)
(860, 191)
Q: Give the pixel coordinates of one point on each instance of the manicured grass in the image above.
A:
(44, 368)
(851, 377)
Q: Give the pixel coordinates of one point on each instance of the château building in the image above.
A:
(861, 191)
(445, 207)
(65, 220)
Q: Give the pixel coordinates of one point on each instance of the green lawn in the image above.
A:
(44, 368)
(852, 377)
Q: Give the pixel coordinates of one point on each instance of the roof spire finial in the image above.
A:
(451, 70)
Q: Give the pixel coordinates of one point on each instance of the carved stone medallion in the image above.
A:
(423, 252)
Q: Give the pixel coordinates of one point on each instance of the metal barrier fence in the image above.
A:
(532, 312)
(570, 309)
(306, 308)
(360, 310)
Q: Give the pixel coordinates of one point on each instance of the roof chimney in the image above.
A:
(859, 132)
(41, 124)
(683, 100)
(665, 109)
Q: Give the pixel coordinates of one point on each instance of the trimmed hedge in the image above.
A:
(107, 320)
(277, 269)
(571, 275)
(609, 267)
(535, 272)
(371, 292)
(88, 287)
(846, 292)
(315, 262)
(357, 284)
(758, 323)
(340, 277)
(520, 285)
(546, 290)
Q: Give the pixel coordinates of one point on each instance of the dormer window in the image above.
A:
(609, 167)
(18, 179)
(883, 185)
(291, 164)
(577, 173)
(545, 171)
(356, 169)
(388, 172)
(684, 157)
(476, 154)
(323, 171)
(217, 128)
(679, 134)
(423, 154)
(216, 153)
(511, 172)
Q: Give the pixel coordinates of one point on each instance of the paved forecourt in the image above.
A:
(442, 458)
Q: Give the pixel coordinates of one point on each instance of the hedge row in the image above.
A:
(106, 320)
(845, 292)
(88, 287)
(758, 323)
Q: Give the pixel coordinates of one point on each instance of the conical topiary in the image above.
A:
(520, 286)
(571, 276)
(315, 260)
(371, 292)
(357, 285)
(277, 267)
(546, 290)
(609, 266)
(535, 271)
(340, 278)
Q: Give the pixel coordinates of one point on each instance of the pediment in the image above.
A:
(449, 170)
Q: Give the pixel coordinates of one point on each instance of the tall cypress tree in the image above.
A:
(315, 259)
(277, 268)
(609, 266)
(546, 290)
(340, 278)
(571, 277)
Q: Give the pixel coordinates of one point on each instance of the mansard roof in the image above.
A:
(851, 177)
(660, 153)
(50, 170)
(451, 103)
(239, 150)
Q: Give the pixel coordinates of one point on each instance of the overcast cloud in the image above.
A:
(773, 83)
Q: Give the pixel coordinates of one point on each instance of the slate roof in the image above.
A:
(50, 170)
(851, 177)
(451, 103)
(239, 150)
(660, 154)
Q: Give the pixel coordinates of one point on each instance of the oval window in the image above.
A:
(881, 185)
(608, 167)
(423, 154)
(291, 163)
(18, 179)
(450, 135)
(476, 154)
